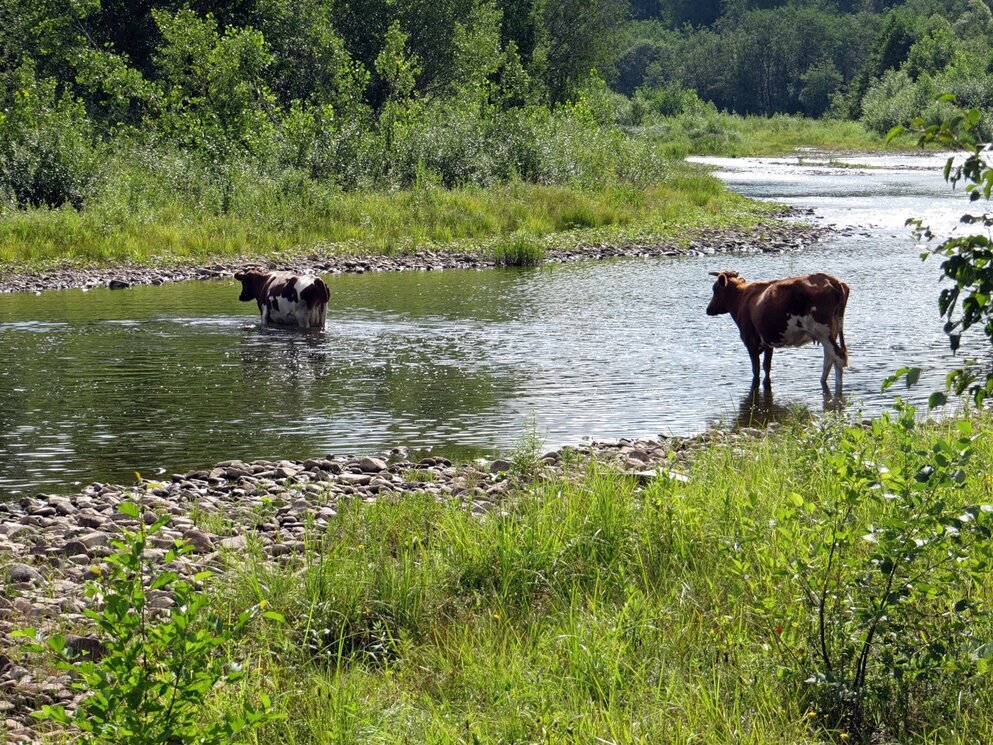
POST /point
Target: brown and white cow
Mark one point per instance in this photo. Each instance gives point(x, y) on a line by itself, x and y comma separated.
point(786, 313)
point(286, 299)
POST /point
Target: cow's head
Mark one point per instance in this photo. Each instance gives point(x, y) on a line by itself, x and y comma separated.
point(252, 281)
point(727, 281)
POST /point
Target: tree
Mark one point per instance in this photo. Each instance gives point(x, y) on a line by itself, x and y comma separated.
point(216, 99)
point(48, 154)
point(819, 83)
point(310, 62)
point(573, 38)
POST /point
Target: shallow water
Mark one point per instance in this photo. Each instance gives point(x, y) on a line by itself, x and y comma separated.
point(96, 385)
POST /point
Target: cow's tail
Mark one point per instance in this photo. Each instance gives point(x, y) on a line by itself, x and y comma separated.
point(841, 348)
point(326, 292)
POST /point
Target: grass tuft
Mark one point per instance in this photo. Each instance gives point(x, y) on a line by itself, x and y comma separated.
point(517, 251)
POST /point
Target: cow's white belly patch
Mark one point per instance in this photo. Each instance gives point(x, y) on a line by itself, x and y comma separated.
point(802, 330)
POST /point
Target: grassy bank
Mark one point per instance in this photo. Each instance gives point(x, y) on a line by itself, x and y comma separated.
point(265, 221)
point(149, 207)
point(734, 606)
point(712, 133)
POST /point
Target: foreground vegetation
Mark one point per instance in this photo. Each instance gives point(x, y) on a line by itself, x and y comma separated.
point(684, 611)
point(826, 582)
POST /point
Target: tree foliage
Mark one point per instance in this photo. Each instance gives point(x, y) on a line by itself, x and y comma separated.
point(381, 93)
point(807, 56)
point(967, 260)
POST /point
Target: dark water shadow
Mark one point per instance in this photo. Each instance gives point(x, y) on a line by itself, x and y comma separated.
point(759, 408)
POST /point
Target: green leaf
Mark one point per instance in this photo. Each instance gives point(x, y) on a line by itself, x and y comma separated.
point(130, 509)
point(912, 375)
point(280, 618)
point(163, 579)
point(56, 643)
point(891, 379)
point(937, 399)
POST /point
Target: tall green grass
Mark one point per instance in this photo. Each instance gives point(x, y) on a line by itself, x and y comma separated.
point(132, 224)
point(517, 251)
point(592, 610)
point(712, 133)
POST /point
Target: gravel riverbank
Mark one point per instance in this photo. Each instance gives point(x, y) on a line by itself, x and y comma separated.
point(772, 238)
point(50, 545)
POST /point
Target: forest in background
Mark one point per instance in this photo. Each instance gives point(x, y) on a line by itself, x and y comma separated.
point(151, 107)
point(875, 60)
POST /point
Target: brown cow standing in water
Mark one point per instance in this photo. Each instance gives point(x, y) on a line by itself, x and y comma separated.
point(286, 299)
point(786, 313)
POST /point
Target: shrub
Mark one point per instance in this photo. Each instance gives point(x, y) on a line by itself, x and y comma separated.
point(48, 154)
point(890, 102)
point(155, 670)
point(885, 567)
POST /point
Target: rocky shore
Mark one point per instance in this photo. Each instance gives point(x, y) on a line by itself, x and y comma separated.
point(771, 238)
point(50, 545)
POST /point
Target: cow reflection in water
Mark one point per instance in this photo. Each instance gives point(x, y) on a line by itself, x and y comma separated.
point(758, 408)
point(283, 361)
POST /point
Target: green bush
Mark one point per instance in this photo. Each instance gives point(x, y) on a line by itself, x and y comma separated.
point(885, 567)
point(48, 155)
point(890, 102)
point(154, 670)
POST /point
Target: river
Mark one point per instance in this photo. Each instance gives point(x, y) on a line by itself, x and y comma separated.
point(97, 385)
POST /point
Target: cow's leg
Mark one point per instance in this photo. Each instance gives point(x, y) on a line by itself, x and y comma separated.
point(839, 367)
point(842, 347)
point(767, 366)
point(753, 354)
point(317, 316)
point(832, 359)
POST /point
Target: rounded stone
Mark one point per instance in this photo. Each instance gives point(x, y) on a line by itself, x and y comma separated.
point(23, 573)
